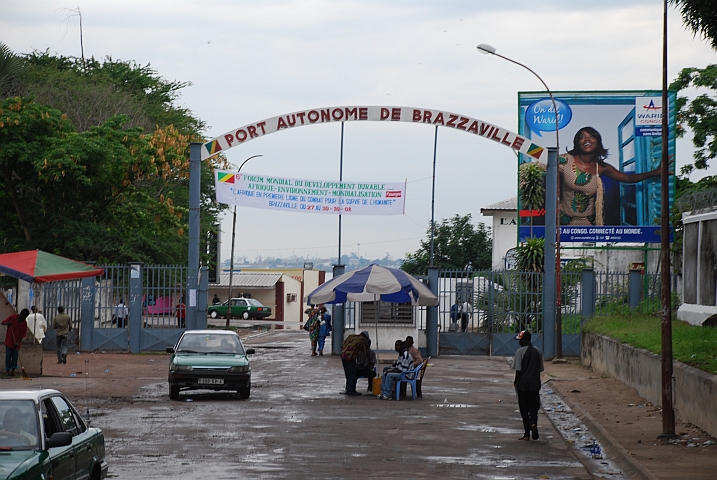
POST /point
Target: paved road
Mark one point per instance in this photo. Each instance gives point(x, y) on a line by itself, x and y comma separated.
point(297, 425)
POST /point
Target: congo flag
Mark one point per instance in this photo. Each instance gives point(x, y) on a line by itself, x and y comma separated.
point(225, 177)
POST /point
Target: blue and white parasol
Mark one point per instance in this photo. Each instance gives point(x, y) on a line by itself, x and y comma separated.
point(373, 283)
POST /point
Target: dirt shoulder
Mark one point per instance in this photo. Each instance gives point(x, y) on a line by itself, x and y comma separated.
point(633, 425)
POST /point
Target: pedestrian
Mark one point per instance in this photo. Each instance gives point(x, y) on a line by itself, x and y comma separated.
point(366, 366)
point(215, 300)
point(120, 314)
point(313, 325)
point(16, 331)
point(324, 329)
point(63, 325)
point(37, 324)
point(181, 313)
point(353, 346)
point(455, 313)
point(528, 363)
point(466, 310)
point(393, 374)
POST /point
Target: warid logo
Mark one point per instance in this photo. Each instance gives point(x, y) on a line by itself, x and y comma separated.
point(651, 106)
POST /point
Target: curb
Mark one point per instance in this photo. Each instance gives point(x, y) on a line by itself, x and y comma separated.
point(616, 452)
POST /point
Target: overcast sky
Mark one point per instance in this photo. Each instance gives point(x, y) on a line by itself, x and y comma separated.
point(251, 60)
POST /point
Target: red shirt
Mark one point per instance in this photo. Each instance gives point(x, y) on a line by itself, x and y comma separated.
point(16, 331)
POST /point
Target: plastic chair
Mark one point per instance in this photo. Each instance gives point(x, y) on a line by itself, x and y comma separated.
point(410, 377)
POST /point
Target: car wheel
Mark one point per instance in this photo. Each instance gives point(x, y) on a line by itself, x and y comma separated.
point(96, 473)
point(245, 315)
point(173, 391)
point(244, 392)
point(213, 314)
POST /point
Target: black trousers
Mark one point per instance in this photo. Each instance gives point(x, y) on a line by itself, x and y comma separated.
point(529, 404)
point(350, 370)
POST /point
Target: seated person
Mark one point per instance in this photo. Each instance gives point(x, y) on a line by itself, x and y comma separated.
point(225, 347)
point(366, 366)
point(415, 354)
point(14, 427)
point(393, 374)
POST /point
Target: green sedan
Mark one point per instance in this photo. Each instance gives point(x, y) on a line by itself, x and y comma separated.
point(209, 360)
point(43, 436)
point(245, 308)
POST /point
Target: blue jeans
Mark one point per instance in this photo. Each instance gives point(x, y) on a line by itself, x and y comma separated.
point(389, 379)
point(61, 347)
point(322, 341)
point(10, 358)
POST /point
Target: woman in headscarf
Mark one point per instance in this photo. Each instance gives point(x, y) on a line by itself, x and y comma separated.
point(312, 326)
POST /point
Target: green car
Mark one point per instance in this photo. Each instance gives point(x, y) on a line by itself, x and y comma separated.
point(43, 436)
point(245, 308)
point(209, 360)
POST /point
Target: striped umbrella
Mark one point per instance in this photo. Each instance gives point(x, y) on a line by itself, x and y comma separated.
point(373, 283)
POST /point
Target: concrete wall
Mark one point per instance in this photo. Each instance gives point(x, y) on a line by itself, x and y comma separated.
point(505, 236)
point(695, 392)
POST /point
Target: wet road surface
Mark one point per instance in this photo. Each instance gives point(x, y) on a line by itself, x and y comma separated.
point(297, 424)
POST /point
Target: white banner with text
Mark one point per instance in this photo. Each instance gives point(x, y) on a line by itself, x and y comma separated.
point(311, 196)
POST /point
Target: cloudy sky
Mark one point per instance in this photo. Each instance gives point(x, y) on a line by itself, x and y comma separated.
point(249, 60)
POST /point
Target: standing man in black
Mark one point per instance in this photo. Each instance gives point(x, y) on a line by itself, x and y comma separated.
point(528, 363)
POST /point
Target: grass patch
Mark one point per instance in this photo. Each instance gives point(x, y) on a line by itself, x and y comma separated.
point(692, 345)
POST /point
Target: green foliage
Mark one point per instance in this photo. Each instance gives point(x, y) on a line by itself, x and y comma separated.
point(531, 185)
point(10, 67)
point(530, 255)
point(700, 16)
point(695, 346)
point(96, 168)
point(458, 245)
point(700, 114)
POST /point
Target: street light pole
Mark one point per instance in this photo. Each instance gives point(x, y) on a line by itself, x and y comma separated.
point(231, 259)
point(488, 49)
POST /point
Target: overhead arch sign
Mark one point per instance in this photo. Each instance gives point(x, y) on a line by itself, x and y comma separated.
point(324, 115)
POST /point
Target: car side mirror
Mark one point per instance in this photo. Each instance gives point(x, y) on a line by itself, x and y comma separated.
point(170, 350)
point(250, 351)
point(59, 439)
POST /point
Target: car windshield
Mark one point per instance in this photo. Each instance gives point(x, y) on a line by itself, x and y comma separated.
point(223, 343)
point(19, 425)
point(254, 303)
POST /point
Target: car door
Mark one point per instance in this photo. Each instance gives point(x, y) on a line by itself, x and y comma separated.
point(81, 437)
point(62, 459)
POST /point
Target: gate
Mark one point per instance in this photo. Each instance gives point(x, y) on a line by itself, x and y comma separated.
point(481, 311)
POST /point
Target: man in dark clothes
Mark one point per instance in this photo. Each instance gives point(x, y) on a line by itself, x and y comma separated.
point(16, 331)
point(528, 363)
point(353, 346)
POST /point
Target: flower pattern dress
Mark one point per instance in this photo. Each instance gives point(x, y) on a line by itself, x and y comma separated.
point(581, 195)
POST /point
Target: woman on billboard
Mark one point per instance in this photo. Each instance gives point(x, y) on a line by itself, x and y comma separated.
point(581, 188)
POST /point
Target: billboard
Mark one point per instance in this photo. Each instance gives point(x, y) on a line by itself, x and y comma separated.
point(310, 196)
point(608, 164)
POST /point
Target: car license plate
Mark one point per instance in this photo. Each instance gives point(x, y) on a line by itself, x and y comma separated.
point(212, 381)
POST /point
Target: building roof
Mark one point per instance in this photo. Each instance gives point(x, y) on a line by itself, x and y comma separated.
point(510, 205)
point(249, 280)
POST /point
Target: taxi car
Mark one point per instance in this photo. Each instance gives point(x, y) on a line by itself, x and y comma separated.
point(43, 436)
point(209, 360)
point(245, 308)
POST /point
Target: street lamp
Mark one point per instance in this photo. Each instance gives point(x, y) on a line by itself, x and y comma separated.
point(231, 260)
point(489, 49)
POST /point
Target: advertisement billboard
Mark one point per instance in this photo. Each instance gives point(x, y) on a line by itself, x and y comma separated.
point(608, 165)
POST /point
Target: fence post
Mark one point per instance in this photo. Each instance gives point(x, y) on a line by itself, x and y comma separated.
point(135, 306)
point(202, 299)
point(339, 318)
point(587, 282)
point(634, 288)
point(432, 315)
point(87, 313)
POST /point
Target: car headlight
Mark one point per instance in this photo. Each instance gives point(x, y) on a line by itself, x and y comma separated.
point(180, 368)
point(244, 369)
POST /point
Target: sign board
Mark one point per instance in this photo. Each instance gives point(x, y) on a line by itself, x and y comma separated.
point(616, 198)
point(310, 196)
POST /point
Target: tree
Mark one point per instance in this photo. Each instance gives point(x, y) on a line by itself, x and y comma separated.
point(700, 114)
point(458, 244)
point(700, 16)
point(10, 68)
point(109, 181)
